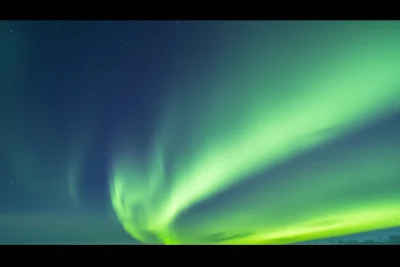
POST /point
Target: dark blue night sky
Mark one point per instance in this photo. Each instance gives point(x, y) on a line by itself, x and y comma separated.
point(227, 132)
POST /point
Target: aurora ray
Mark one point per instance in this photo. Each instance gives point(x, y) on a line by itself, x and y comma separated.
point(259, 109)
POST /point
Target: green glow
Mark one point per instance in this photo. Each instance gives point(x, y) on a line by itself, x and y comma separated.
point(260, 108)
point(61, 227)
point(35, 167)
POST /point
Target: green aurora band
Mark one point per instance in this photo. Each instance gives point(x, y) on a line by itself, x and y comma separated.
point(264, 103)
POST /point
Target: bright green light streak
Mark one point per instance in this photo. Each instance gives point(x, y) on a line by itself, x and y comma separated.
point(262, 108)
point(335, 195)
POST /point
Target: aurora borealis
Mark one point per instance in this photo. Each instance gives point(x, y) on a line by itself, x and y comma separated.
point(261, 132)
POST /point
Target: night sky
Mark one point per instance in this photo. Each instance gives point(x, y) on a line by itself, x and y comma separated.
point(198, 132)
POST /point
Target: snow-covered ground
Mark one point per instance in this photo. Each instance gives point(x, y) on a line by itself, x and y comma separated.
point(384, 237)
